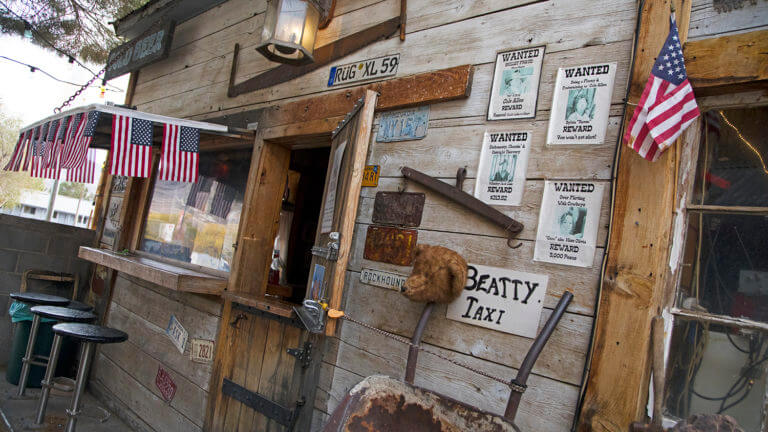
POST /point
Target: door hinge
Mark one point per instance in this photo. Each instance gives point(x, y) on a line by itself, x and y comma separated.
point(329, 252)
point(303, 355)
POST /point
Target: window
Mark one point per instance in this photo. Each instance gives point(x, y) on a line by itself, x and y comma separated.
point(197, 223)
point(719, 344)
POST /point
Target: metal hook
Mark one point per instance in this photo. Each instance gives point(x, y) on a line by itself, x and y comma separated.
point(239, 317)
point(461, 175)
point(403, 186)
point(509, 243)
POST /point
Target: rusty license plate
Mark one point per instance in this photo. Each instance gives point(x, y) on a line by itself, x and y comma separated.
point(398, 208)
point(390, 245)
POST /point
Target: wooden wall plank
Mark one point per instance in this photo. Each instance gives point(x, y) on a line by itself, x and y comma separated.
point(255, 350)
point(706, 22)
point(241, 351)
point(728, 63)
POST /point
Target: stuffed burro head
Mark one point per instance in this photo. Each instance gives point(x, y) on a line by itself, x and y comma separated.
point(439, 274)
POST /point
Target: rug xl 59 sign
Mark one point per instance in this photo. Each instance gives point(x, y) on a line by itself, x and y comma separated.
point(501, 299)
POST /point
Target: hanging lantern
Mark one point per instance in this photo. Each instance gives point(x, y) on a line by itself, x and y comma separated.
point(290, 27)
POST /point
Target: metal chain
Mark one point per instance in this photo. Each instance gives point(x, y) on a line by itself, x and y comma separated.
point(514, 386)
point(80, 90)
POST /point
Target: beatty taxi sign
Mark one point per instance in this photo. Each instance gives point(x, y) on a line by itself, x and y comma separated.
point(380, 67)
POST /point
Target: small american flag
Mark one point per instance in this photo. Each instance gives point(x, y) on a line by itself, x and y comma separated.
point(131, 146)
point(667, 105)
point(40, 167)
point(86, 172)
point(66, 144)
point(14, 163)
point(30, 149)
point(51, 149)
point(82, 140)
point(179, 159)
point(199, 192)
point(222, 200)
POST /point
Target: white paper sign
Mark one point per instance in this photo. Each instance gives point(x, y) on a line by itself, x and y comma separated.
point(515, 84)
point(501, 171)
point(568, 223)
point(202, 351)
point(333, 183)
point(581, 104)
point(382, 279)
point(501, 299)
point(177, 334)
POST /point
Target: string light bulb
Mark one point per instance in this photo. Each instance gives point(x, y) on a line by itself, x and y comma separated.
point(27, 30)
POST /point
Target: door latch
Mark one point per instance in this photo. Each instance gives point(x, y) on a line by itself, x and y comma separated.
point(303, 355)
point(329, 252)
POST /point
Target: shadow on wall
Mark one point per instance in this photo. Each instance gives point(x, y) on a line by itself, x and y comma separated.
point(32, 244)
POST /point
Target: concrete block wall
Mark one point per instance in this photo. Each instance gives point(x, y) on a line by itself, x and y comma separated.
point(32, 244)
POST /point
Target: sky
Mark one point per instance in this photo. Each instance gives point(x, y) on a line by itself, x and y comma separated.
point(31, 96)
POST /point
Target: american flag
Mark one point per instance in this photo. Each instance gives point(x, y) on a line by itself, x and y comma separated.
point(131, 146)
point(81, 140)
point(14, 163)
point(40, 167)
point(179, 159)
point(667, 105)
point(222, 200)
point(30, 156)
point(199, 192)
point(85, 173)
point(51, 149)
point(66, 144)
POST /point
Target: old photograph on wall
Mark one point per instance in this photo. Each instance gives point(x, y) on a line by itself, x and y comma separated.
point(568, 223)
point(581, 104)
point(502, 167)
point(515, 84)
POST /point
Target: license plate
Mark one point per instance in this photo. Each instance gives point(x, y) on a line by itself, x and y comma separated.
point(376, 68)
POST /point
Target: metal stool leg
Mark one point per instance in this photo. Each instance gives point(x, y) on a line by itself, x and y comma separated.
point(29, 355)
point(82, 374)
point(48, 380)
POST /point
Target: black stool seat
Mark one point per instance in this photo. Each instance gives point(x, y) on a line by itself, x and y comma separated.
point(91, 333)
point(63, 314)
point(39, 299)
point(74, 304)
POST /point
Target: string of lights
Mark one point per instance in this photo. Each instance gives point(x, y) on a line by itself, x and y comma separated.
point(745, 141)
point(33, 68)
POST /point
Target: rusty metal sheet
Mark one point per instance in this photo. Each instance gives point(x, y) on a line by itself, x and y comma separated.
point(398, 208)
point(390, 245)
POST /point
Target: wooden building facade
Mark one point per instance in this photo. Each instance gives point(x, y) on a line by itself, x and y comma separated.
point(594, 372)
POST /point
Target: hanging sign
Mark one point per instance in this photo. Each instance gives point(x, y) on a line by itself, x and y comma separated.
point(333, 182)
point(403, 125)
point(581, 104)
point(515, 84)
point(371, 175)
point(382, 279)
point(134, 55)
point(202, 351)
point(398, 208)
point(390, 245)
point(165, 384)
point(568, 223)
point(501, 171)
point(379, 67)
point(177, 334)
point(501, 299)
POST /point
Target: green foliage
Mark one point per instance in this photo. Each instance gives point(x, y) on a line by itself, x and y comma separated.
point(12, 183)
point(75, 190)
point(79, 27)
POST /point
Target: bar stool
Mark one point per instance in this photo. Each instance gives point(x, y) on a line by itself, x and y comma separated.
point(59, 314)
point(74, 304)
point(88, 334)
point(29, 359)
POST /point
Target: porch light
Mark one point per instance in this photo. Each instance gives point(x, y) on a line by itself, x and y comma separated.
point(290, 27)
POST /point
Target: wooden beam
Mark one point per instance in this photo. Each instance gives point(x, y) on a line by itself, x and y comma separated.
point(637, 260)
point(421, 89)
point(728, 64)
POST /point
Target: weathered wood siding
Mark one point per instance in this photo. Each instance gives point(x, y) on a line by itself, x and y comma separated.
point(192, 82)
point(124, 374)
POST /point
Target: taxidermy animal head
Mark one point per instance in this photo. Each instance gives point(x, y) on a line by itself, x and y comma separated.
point(439, 274)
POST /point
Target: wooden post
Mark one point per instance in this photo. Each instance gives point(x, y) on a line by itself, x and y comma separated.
point(637, 259)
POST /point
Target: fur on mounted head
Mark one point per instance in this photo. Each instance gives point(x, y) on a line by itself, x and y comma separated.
point(439, 274)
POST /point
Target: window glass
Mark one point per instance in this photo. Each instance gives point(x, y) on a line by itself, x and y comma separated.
point(733, 164)
point(197, 223)
point(717, 370)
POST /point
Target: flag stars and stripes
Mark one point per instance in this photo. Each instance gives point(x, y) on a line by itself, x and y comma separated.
point(131, 146)
point(180, 154)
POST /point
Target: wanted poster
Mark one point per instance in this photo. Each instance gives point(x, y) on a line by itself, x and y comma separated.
point(515, 84)
point(568, 223)
point(501, 299)
point(581, 104)
point(501, 171)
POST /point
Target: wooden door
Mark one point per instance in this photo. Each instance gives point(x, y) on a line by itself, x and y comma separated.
point(349, 149)
point(266, 365)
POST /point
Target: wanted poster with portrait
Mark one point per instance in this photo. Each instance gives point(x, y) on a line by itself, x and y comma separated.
point(501, 171)
point(515, 84)
point(581, 104)
point(568, 223)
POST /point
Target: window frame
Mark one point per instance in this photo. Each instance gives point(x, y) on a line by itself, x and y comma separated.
point(672, 313)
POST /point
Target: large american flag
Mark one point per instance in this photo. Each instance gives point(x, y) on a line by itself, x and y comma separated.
point(667, 105)
point(81, 140)
point(85, 173)
point(179, 158)
point(14, 163)
point(131, 146)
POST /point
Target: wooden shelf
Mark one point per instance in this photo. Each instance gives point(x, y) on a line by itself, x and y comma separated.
point(267, 304)
point(163, 274)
